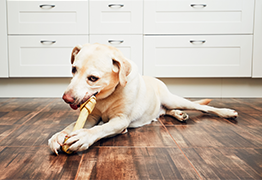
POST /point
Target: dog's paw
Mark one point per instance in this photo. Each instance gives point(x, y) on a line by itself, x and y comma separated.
point(56, 141)
point(79, 140)
point(227, 113)
point(182, 116)
point(179, 115)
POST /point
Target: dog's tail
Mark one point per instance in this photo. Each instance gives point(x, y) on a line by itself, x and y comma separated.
point(203, 101)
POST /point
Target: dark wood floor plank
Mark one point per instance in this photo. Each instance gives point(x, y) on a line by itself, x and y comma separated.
point(6, 130)
point(54, 117)
point(14, 117)
point(213, 163)
point(136, 163)
point(31, 135)
point(147, 136)
point(58, 104)
point(36, 163)
point(213, 136)
point(25, 104)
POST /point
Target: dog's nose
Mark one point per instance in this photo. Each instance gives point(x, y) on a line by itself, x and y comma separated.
point(68, 99)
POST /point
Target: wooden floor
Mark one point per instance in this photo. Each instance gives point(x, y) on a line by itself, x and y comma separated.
point(205, 147)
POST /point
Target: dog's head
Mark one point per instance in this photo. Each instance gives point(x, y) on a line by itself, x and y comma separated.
point(98, 69)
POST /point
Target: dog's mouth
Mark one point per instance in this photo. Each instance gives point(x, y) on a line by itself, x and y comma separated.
point(76, 106)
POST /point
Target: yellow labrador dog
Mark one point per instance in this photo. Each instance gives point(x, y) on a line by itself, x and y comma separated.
point(125, 99)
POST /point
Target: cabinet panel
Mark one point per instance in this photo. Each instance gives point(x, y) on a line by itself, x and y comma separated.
point(42, 56)
point(51, 17)
point(3, 42)
point(198, 56)
point(116, 17)
point(199, 17)
point(257, 53)
point(130, 45)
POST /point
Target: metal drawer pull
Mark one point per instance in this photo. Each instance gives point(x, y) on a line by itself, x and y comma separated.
point(116, 5)
point(198, 5)
point(47, 5)
point(48, 41)
point(197, 41)
point(115, 41)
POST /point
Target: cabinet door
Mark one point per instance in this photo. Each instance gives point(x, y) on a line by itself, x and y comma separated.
point(3, 42)
point(116, 17)
point(257, 53)
point(42, 56)
point(130, 45)
point(47, 17)
point(198, 17)
point(198, 56)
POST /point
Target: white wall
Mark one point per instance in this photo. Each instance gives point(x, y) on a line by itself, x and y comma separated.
point(220, 88)
point(187, 87)
point(33, 87)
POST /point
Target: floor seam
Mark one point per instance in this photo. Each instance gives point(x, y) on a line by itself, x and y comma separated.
point(79, 166)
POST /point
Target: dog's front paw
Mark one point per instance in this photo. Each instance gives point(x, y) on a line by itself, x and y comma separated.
point(79, 140)
point(56, 141)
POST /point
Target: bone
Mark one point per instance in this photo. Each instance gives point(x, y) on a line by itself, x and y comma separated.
point(85, 109)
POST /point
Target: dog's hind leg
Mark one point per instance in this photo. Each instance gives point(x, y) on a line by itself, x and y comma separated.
point(182, 116)
point(171, 102)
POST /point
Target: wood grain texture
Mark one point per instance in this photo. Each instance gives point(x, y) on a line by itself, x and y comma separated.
point(204, 147)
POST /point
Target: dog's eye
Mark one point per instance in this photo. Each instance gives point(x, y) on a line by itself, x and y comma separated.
point(73, 70)
point(93, 78)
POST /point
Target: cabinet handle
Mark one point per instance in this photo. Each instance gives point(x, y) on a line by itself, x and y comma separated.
point(115, 41)
point(116, 5)
point(47, 5)
point(197, 41)
point(48, 41)
point(198, 5)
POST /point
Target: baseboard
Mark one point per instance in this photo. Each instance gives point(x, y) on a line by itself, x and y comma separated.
point(186, 87)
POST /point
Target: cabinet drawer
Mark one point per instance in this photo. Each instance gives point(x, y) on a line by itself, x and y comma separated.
point(116, 17)
point(47, 17)
point(3, 42)
point(257, 53)
point(42, 56)
point(130, 45)
point(199, 17)
point(198, 56)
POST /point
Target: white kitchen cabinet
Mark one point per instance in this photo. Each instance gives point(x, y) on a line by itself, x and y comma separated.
point(116, 17)
point(47, 17)
point(130, 45)
point(198, 56)
point(198, 17)
point(3, 42)
point(257, 52)
point(42, 56)
point(165, 38)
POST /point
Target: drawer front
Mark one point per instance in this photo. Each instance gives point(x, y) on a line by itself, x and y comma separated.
point(257, 53)
point(198, 56)
point(3, 42)
point(47, 17)
point(116, 17)
point(199, 17)
point(42, 56)
point(130, 45)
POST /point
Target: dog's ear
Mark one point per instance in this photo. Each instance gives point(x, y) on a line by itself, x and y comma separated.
point(75, 52)
point(122, 66)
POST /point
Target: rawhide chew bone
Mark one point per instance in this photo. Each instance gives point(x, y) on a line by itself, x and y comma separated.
point(85, 109)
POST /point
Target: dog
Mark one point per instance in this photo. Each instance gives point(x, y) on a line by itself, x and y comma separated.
point(125, 99)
